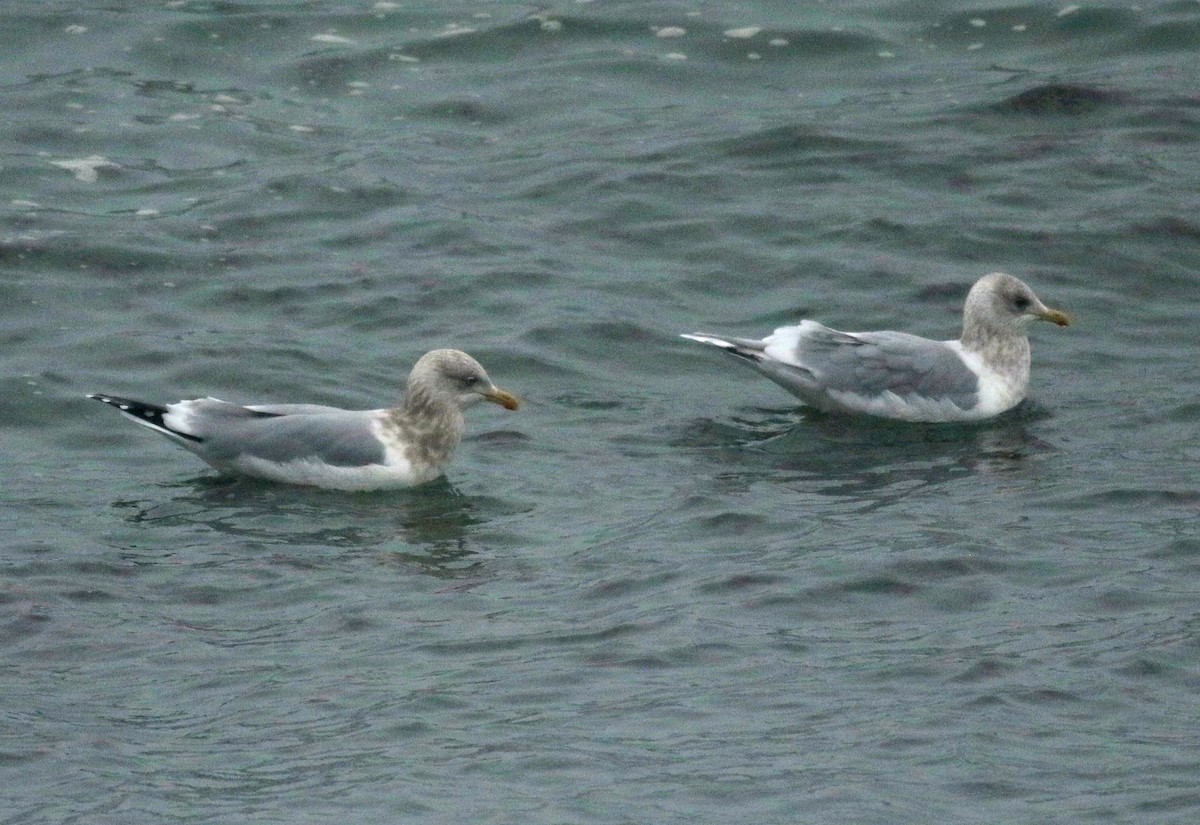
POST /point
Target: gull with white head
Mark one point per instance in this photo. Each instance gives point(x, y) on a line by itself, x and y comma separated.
point(328, 446)
point(900, 376)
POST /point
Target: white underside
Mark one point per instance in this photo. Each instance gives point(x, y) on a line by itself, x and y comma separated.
point(318, 474)
point(903, 408)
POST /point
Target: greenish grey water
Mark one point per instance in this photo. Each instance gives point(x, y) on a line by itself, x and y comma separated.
point(660, 592)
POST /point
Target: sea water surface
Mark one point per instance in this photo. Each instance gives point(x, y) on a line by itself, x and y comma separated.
point(662, 591)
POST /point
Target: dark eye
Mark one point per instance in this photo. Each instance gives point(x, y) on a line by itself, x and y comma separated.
point(1021, 303)
point(471, 380)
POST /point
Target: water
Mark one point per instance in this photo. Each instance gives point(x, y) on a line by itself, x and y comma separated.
point(661, 592)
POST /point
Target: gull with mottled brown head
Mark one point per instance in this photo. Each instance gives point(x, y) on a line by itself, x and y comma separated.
point(331, 447)
point(900, 376)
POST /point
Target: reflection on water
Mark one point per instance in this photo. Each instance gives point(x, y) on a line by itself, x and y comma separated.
point(432, 528)
point(875, 462)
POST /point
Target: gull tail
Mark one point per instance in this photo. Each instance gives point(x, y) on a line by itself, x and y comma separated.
point(148, 415)
point(741, 347)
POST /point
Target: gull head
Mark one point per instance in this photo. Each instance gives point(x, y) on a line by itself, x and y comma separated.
point(1000, 300)
point(450, 376)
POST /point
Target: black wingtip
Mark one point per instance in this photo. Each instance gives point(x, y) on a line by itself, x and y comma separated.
point(127, 405)
point(732, 347)
point(143, 413)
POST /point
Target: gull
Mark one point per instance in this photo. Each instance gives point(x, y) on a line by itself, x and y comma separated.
point(327, 446)
point(900, 376)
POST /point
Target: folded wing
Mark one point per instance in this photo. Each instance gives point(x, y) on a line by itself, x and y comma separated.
point(278, 433)
point(869, 371)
